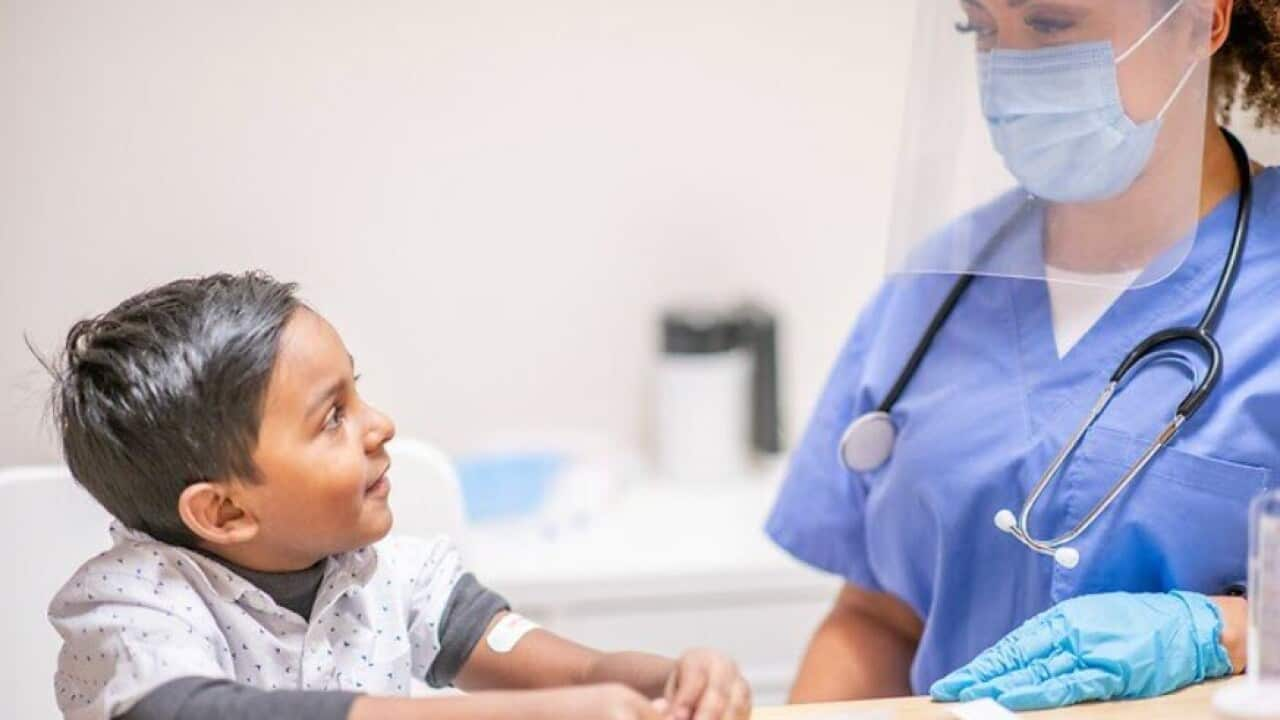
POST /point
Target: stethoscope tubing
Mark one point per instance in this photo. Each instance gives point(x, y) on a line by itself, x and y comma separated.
point(1201, 335)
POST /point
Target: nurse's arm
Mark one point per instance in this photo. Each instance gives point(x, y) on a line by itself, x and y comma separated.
point(862, 649)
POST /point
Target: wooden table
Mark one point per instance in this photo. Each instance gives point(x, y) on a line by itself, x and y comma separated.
point(1193, 703)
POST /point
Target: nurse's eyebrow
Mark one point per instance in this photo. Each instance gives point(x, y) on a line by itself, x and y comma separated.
point(1011, 3)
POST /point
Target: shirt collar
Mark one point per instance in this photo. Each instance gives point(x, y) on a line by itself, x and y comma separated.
point(343, 572)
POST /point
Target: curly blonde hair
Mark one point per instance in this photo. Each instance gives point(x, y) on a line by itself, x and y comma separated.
point(1246, 70)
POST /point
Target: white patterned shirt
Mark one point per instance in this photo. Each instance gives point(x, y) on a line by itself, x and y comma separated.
point(145, 612)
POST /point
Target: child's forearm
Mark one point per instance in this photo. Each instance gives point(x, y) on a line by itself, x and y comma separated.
point(646, 673)
point(593, 702)
point(543, 659)
point(481, 706)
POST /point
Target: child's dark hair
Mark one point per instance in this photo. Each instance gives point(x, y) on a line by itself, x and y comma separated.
point(167, 389)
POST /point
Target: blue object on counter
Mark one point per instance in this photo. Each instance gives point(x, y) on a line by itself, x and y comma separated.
point(508, 485)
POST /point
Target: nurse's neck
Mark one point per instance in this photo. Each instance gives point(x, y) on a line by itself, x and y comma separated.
point(1221, 179)
point(1126, 233)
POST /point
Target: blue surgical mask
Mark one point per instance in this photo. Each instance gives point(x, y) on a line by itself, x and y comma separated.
point(1056, 116)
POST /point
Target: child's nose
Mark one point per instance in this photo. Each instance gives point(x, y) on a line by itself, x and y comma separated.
point(381, 430)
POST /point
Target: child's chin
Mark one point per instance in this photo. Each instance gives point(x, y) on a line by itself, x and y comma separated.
point(374, 526)
point(381, 523)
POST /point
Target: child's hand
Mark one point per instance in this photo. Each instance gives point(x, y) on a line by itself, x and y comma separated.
point(594, 702)
point(706, 685)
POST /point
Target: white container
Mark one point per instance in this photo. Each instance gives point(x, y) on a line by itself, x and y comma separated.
point(1257, 695)
point(703, 416)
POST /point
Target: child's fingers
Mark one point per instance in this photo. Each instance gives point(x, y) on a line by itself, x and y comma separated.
point(645, 710)
point(690, 685)
point(669, 697)
point(739, 701)
point(715, 699)
point(637, 707)
point(712, 705)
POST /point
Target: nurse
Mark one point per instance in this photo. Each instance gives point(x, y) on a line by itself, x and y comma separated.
point(1065, 159)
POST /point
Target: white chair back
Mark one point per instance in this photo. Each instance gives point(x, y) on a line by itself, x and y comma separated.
point(426, 496)
point(426, 500)
point(49, 526)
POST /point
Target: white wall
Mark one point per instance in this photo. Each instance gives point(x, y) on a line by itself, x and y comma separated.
point(490, 198)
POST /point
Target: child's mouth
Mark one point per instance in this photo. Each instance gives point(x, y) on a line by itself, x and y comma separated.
point(379, 487)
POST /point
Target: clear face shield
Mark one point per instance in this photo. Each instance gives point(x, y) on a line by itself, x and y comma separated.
point(1057, 139)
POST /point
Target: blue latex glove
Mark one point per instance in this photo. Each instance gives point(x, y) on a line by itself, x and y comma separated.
point(1097, 647)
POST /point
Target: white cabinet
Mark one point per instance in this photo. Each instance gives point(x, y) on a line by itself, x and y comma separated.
point(664, 569)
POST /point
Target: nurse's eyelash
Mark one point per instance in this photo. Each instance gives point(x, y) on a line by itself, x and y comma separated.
point(1049, 26)
point(969, 27)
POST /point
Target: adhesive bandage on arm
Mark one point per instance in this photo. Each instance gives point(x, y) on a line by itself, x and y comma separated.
point(508, 632)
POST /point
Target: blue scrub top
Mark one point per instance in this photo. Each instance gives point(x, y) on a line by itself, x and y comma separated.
point(990, 407)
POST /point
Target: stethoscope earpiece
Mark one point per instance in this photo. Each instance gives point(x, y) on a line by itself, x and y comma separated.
point(1006, 521)
point(1067, 557)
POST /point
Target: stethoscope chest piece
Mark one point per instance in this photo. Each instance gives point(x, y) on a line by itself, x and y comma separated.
point(868, 442)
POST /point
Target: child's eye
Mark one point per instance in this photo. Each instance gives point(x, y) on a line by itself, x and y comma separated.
point(335, 418)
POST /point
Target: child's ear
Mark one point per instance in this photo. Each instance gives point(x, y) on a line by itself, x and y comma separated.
point(209, 510)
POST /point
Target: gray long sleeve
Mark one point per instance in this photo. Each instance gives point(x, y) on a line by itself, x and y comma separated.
point(198, 698)
point(467, 615)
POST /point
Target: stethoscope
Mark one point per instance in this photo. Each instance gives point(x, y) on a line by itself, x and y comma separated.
point(868, 441)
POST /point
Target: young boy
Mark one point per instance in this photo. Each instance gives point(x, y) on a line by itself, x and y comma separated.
point(218, 420)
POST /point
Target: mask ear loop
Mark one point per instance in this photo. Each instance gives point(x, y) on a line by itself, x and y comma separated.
point(1147, 35)
point(1186, 78)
